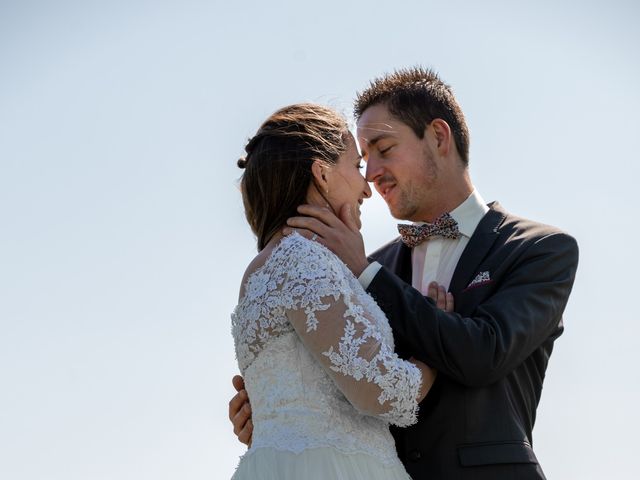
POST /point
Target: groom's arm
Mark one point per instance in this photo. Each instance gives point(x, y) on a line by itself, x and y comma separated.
point(240, 412)
point(524, 312)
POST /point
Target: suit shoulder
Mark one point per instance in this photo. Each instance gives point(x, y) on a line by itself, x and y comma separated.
point(515, 226)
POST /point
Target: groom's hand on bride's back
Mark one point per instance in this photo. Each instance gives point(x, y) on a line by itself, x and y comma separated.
point(341, 234)
point(240, 412)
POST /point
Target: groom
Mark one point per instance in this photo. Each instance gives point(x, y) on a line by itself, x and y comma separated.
point(510, 279)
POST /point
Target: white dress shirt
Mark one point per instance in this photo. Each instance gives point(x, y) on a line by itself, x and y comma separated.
point(436, 258)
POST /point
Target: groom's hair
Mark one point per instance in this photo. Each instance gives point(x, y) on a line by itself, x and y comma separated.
point(278, 163)
point(416, 96)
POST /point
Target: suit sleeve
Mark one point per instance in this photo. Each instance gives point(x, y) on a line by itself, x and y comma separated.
point(480, 349)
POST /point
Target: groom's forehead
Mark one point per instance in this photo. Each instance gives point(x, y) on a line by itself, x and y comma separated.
point(369, 134)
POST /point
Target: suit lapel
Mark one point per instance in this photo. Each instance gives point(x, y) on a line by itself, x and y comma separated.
point(403, 267)
point(476, 250)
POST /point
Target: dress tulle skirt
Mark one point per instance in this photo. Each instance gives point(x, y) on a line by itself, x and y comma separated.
point(322, 463)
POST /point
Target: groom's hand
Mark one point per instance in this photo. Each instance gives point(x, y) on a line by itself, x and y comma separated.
point(240, 412)
point(340, 235)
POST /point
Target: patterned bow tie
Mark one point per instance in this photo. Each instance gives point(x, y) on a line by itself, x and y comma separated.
point(444, 226)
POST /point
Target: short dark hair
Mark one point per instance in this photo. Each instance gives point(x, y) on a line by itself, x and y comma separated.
point(278, 163)
point(416, 96)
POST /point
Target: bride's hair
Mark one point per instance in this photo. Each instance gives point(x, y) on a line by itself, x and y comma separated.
point(278, 163)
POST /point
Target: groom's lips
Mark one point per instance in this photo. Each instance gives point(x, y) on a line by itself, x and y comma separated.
point(385, 190)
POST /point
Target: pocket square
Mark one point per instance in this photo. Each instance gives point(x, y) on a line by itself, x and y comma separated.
point(480, 279)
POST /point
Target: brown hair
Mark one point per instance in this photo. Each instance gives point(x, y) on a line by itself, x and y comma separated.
point(416, 96)
point(278, 163)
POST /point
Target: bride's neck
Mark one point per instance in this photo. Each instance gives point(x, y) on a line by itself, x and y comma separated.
point(273, 241)
point(313, 198)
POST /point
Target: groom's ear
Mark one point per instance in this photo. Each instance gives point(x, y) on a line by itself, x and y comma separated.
point(442, 136)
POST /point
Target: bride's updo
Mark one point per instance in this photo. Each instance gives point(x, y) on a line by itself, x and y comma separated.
point(278, 163)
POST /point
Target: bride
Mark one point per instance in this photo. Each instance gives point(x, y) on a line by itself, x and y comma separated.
point(316, 352)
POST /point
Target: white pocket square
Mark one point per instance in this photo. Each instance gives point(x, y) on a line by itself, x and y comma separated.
point(482, 277)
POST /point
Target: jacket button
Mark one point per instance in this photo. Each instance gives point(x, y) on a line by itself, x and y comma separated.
point(415, 455)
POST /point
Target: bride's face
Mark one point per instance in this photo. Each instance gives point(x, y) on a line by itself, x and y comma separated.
point(345, 183)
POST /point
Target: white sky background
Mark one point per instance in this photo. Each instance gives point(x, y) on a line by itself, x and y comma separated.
point(122, 236)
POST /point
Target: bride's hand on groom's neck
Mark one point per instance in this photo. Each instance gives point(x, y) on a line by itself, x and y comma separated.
point(340, 234)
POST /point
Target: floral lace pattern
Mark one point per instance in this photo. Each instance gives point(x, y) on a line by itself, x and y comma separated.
point(317, 355)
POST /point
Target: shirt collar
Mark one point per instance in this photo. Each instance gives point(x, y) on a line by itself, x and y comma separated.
point(469, 213)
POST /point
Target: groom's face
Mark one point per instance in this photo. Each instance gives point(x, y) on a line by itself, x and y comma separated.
point(400, 165)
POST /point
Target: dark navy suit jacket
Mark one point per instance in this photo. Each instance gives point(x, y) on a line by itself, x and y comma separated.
point(491, 354)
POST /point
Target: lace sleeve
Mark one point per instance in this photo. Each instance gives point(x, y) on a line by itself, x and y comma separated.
point(342, 335)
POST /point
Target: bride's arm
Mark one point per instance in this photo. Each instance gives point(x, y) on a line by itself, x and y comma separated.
point(344, 338)
point(367, 371)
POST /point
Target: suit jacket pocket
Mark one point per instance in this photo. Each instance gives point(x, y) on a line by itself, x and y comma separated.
point(475, 454)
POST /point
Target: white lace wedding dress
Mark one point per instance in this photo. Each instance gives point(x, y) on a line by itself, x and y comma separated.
point(316, 353)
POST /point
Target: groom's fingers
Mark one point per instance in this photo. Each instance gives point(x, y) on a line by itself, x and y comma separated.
point(308, 223)
point(304, 232)
point(239, 399)
point(346, 215)
point(245, 435)
point(236, 403)
point(238, 382)
point(323, 214)
point(240, 417)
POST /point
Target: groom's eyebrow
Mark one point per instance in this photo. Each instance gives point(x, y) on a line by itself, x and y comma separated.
point(371, 142)
point(381, 130)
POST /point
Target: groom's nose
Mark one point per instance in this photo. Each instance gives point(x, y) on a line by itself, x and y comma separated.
point(374, 169)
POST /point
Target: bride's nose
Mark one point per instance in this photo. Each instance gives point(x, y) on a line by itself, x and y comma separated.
point(367, 190)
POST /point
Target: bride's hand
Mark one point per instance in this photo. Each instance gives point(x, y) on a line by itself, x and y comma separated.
point(443, 299)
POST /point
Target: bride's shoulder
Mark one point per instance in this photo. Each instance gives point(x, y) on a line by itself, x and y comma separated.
point(256, 265)
point(288, 255)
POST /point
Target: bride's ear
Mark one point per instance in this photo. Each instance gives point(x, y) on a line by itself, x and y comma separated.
point(320, 173)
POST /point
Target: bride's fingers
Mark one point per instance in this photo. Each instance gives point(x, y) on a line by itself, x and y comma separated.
point(438, 294)
point(432, 292)
point(442, 298)
point(450, 306)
